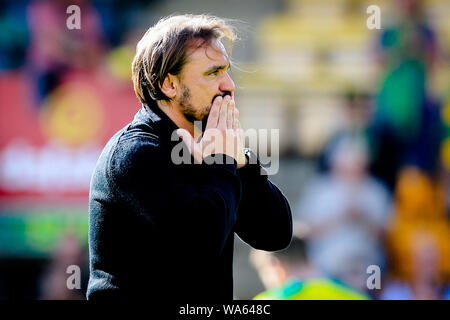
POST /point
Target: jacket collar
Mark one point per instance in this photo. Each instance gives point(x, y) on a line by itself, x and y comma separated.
point(160, 124)
point(157, 119)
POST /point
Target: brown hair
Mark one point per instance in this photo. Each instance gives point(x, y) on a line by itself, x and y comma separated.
point(162, 50)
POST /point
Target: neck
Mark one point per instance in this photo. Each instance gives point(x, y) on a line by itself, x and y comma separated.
point(304, 272)
point(174, 113)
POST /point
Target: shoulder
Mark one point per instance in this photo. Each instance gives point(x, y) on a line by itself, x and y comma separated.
point(134, 151)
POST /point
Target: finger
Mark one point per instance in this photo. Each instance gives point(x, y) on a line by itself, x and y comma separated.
point(213, 117)
point(235, 118)
point(222, 123)
point(239, 130)
point(236, 112)
point(230, 115)
point(187, 138)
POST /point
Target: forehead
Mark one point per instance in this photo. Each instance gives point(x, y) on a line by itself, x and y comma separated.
point(212, 53)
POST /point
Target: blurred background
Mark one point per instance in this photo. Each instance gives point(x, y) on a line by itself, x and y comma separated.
point(364, 120)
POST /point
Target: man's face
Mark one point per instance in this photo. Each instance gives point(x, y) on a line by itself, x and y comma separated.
point(203, 78)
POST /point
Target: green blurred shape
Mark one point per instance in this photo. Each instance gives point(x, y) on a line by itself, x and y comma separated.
point(38, 232)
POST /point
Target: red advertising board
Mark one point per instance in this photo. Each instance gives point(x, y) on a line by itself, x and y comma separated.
point(49, 149)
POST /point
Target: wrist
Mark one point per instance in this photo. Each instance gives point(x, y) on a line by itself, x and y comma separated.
point(244, 159)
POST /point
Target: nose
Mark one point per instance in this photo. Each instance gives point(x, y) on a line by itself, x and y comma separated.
point(227, 84)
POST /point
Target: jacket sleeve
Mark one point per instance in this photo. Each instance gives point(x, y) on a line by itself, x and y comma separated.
point(190, 206)
point(264, 219)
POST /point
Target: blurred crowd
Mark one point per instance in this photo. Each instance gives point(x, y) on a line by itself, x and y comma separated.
point(34, 38)
point(39, 53)
point(380, 193)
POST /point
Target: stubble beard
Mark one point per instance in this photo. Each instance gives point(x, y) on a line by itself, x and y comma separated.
point(192, 114)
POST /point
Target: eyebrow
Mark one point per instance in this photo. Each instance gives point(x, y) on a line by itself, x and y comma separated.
point(216, 68)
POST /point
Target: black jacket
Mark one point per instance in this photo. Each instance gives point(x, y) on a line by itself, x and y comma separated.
point(166, 231)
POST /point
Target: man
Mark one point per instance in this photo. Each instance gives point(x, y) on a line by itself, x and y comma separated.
point(163, 229)
point(288, 275)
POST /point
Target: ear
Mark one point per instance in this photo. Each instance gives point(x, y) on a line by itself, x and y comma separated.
point(170, 86)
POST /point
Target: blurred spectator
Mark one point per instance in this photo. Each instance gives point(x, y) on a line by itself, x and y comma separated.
point(347, 212)
point(119, 17)
point(412, 38)
point(425, 283)
point(13, 34)
point(407, 126)
point(54, 281)
point(357, 115)
point(54, 49)
point(418, 238)
point(287, 275)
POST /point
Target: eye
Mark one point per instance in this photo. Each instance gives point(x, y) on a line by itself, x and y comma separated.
point(215, 72)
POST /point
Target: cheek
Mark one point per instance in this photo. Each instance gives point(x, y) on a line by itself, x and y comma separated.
point(203, 92)
point(207, 95)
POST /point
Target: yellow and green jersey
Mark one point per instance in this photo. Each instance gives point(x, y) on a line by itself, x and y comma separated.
point(312, 289)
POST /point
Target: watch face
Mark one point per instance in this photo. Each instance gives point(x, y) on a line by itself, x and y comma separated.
point(250, 156)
